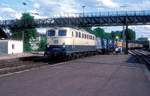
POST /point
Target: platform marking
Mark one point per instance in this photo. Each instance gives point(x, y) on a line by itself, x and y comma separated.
point(4, 75)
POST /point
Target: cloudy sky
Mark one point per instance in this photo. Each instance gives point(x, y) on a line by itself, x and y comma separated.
point(12, 9)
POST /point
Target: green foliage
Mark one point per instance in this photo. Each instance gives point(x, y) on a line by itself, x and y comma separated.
point(115, 34)
point(16, 34)
point(42, 44)
point(28, 35)
point(99, 32)
point(131, 34)
point(107, 35)
point(112, 35)
point(27, 17)
point(27, 46)
point(24, 33)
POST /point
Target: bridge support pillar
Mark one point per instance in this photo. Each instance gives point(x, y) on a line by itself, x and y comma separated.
point(126, 39)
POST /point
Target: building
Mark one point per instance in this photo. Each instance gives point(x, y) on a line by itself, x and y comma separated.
point(11, 47)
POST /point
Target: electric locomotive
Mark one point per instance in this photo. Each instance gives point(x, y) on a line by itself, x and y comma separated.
point(64, 41)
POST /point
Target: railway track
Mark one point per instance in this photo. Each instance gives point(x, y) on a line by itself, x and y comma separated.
point(142, 56)
point(24, 63)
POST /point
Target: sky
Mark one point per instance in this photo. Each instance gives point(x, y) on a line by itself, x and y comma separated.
point(12, 9)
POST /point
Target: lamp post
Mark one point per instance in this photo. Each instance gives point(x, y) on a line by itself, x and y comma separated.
point(24, 4)
point(83, 7)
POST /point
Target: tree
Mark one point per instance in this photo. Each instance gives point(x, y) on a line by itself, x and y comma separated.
point(24, 33)
point(42, 44)
point(16, 34)
point(99, 32)
point(28, 35)
point(107, 35)
point(115, 34)
point(131, 34)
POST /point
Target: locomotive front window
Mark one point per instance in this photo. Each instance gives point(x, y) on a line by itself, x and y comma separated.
point(62, 33)
point(51, 32)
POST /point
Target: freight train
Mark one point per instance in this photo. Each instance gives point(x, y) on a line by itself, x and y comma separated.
point(135, 45)
point(66, 41)
point(131, 44)
point(73, 42)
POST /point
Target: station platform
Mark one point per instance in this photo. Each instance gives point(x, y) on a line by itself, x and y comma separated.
point(101, 75)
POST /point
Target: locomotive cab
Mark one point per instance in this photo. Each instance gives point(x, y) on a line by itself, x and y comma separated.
point(57, 40)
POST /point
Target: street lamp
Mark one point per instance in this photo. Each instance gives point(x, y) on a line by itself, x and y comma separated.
point(83, 7)
point(24, 4)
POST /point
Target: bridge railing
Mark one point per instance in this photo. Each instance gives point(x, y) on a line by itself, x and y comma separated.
point(108, 13)
point(48, 21)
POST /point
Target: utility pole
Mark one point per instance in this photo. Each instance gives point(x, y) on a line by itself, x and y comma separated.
point(126, 39)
